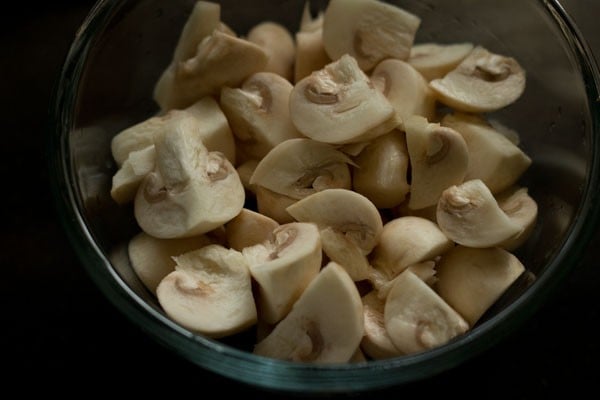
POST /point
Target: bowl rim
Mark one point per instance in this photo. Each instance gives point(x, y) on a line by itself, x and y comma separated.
point(286, 376)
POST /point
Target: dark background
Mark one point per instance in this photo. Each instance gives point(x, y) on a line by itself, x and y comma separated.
point(56, 326)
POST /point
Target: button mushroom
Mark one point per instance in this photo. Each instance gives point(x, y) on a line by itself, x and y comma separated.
point(209, 292)
point(325, 325)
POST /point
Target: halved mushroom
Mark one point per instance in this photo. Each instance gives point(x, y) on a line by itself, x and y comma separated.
point(369, 30)
point(405, 88)
point(339, 104)
point(325, 325)
point(283, 266)
point(191, 191)
point(493, 158)
point(299, 167)
point(202, 21)
point(376, 342)
point(435, 60)
point(417, 318)
point(212, 126)
point(381, 170)
point(522, 209)
point(278, 43)
point(349, 223)
point(482, 82)
point(406, 241)
point(249, 228)
point(152, 258)
point(126, 181)
point(209, 292)
point(259, 113)
point(470, 215)
point(471, 279)
point(438, 158)
point(220, 60)
point(310, 52)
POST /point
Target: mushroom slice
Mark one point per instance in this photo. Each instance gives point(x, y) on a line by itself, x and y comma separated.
point(482, 82)
point(204, 18)
point(152, 258)
point(405, 88)
point(522, 209)
point(438, 157)
point(299, 167)
point(127, 179)
point(349, 223)
point(339, 104)
point(471, 279)
point(273, 205)
point(212, 126)
point(191, 191)
point(406, 241)
point(435, 60)
point(325, 325)
point(470, 215)
point(209, 292)
point(258, 113)
point(417, 318)
point(220, 60)
point(310, 51)
point(381, 170)
point(283, 266)
point(369, 30)
point(249, 228)
point(493, 158)
point(376, 342)
point(277, 41)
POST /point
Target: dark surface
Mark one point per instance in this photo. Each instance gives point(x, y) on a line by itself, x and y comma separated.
point(57, 325)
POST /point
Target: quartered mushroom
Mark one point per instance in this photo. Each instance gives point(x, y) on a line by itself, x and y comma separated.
point(325, 325)
point(273, 205)
point(310, 51)
point(299, 167)
point(338, 104)
point(349, 223)
point(471, 279)
point(424, 270)
point(405, 88)
point(210, 121)
point(210, 292)
point(406, 241)
point(152, 258)
point(522, 209)
point(376, 342)
point(417, 318)
point(482, 82)
point(439, 158)
point(249, 228)
point(278, 43)
point(435, 60)
point(283, 266)
point(469, 215)
point(191, 191)
point(368, 30)
point(493, 158)
point(127, 179)
point(220, 60)
point(202, 21)
point(258, 113)
point(381, 170)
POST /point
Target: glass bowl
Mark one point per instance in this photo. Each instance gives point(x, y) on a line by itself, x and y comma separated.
point(106, 85)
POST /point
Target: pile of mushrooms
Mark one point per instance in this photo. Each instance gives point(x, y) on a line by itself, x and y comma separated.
point(339, 190)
